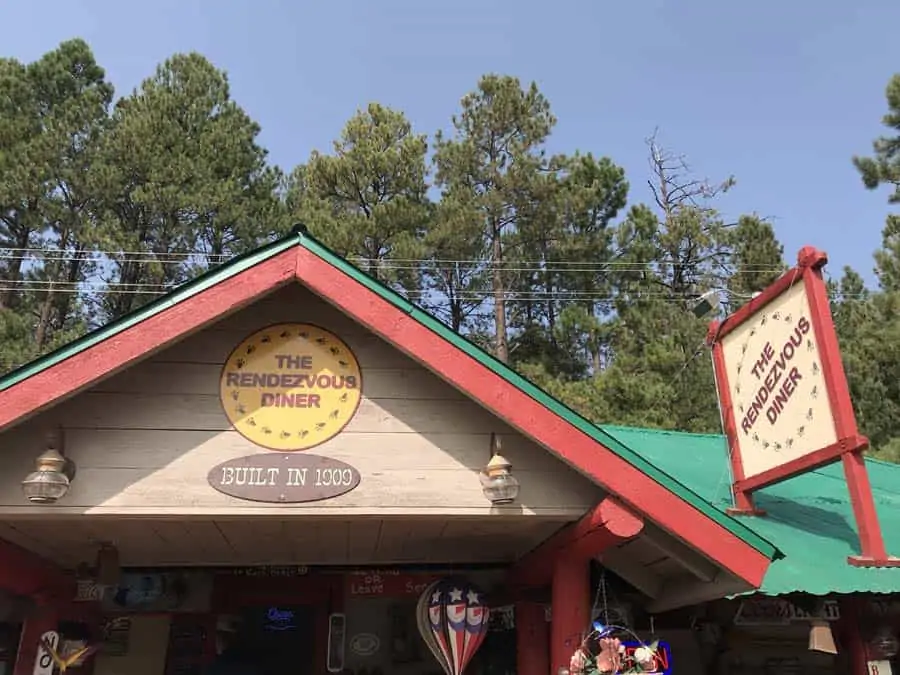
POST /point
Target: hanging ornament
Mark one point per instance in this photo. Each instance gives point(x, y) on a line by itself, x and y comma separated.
point(453, 621)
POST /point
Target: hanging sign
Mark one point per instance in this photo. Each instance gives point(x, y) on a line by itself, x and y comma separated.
point(283, 478)
point(290, 387)
point(775, 377)
point(781, 384)
point(777, 612)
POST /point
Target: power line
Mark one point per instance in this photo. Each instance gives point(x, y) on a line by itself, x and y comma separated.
point(178, 258)
point(114, 288)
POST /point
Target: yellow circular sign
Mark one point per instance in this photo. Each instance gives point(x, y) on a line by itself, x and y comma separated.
point(290, 386)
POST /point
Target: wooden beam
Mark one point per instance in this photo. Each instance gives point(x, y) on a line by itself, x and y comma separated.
point(607, 524)
point(643, 579)
point(27, 574)
point(679, 594)
point(684, 555)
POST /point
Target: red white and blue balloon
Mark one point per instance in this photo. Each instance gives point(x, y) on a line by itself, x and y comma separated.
point(453, 620)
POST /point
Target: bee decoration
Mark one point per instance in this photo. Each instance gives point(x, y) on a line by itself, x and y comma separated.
point(240, 363)
point(303, 433)
point(814, 393)
point(285, 334)
point(285, 434)
point(809, 414)
point(251, 421)
point(240, 409)
point(321, 340)
point(788, 318)
point(334, 414)
point(266, 430)
point(343, 364)
point(801, 431)
point(72, 660)
point(320, 426)
point(776, 315)
point(335, 351)
point(251, 349)
point(344, 397)
point(764, 320)
point(235, 395)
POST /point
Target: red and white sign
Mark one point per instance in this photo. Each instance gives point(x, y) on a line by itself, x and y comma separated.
point(783, 392)
point(784, 398)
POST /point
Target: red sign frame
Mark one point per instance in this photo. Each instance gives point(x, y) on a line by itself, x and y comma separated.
point(850, 444)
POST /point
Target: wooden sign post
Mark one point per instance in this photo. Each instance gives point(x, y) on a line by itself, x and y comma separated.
point(784, 399)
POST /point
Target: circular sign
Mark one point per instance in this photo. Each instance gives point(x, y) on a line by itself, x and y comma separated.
point(290, 387)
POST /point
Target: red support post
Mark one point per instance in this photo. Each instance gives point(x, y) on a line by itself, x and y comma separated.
point(44, 619)
point(606, 525)
point(570, 609)
point(532, 639)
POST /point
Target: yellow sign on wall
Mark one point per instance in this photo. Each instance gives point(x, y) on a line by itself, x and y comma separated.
point(290, 387)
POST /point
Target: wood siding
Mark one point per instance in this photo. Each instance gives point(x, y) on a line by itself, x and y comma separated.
point(144, 439)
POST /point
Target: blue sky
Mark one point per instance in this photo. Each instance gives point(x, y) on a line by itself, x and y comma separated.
point(779, 94)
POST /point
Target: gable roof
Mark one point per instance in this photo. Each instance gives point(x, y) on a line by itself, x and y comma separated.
point(809, 517)
point(584, 446)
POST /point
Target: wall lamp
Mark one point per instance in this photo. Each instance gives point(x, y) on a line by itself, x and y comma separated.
point(497, 481)
point(53, 473)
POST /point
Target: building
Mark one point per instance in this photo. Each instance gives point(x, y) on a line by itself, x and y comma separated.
point(199, 484)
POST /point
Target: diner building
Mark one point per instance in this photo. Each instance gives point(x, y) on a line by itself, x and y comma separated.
point(288, 445)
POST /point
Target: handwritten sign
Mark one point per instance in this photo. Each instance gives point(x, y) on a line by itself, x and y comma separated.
point(265, 571)
point(290, 387)
point(283, 478)
point(778, 394)
point(386, 583)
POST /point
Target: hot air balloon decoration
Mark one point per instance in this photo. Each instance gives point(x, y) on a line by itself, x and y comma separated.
point(453, 621)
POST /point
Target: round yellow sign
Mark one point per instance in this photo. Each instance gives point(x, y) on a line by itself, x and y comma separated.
point(290, 386)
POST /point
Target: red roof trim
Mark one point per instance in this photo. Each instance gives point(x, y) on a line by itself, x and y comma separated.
point(70, 375)
point(534, 420)
point(86, 367)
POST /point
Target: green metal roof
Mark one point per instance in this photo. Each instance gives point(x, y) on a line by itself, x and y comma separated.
point(299, 237)
point(809, 518)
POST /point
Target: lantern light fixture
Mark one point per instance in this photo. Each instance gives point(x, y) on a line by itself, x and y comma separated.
point(497, 481)
point(53, 475)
